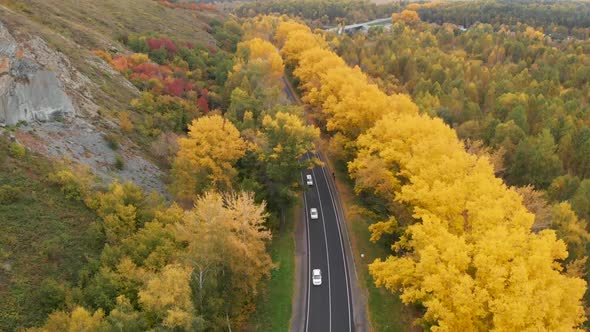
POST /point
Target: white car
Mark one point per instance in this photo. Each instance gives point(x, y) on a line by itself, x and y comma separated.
point(316, 277)
point(313, 212)
point(309, 180)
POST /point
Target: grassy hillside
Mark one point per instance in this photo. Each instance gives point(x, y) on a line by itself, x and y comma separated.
point(45, 240)
point(76, 27)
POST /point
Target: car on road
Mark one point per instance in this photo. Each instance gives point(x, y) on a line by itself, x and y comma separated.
point(309, 180)
point(316, 277)
point(313, 212)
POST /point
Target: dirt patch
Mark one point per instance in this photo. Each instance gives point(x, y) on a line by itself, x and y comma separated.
point(82, 142)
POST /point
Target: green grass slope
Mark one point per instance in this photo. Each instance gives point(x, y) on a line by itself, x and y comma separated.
point(45, 240)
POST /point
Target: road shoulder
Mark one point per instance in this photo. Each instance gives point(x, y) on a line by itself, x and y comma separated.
point(300, 283)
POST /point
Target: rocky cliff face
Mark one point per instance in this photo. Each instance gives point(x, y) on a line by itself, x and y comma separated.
point(39, 85)
point(28, 91)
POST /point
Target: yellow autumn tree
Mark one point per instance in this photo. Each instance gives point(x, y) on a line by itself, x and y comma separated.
point(77, 320)
point(472, 260)
point(225, 236)
point(261, 26)
point(167, 297)
point(285, 28)
point(314, 64)
point(125, 122)
point(298, 41)
point(206, 157)
point(350, 104)
point(571, 229)
point(407, 16)
point(263, 51)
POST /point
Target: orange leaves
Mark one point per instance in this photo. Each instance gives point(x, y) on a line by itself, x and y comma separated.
point(406, 16)
point(120, 63)
point(106, 56)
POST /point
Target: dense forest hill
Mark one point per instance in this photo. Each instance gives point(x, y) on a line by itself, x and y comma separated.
point(62, 38)
point(321, 13)
point(521, 94)
point(50, 240)
point(554, 15)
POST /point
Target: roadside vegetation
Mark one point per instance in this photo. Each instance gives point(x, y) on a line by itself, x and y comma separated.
point(397, 317)
point(274, 304)
point(442, 210)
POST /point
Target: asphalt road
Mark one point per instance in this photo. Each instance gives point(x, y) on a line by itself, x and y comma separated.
point(329, 306)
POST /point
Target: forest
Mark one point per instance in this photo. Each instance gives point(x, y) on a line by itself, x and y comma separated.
point(555, 16)
point(166, 265)
point(510, 90)
point(216, 119)
point(475, 81)
point(319, 14)
point(462, 131)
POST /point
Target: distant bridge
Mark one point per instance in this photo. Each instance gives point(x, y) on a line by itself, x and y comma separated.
point(361, 27)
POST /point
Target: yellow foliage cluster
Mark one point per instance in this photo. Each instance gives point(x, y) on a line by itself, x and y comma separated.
point(125, 122)
point(138, 58)
point(106, 56)
point(470, 258)
point(206, 157)
point(259, 50)
point(349, 103)
point(78, 320)
point(407, 16)
point(261, 26)
point(167, 294)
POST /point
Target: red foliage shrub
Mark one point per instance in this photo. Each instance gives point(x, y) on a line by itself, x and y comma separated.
point(177, 87)
point(206, 6)
point(152, 70)
point(203, 103)
point(167, 44)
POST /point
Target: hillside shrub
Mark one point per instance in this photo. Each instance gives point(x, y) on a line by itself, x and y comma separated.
point(9, 194)
point(17, 150)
